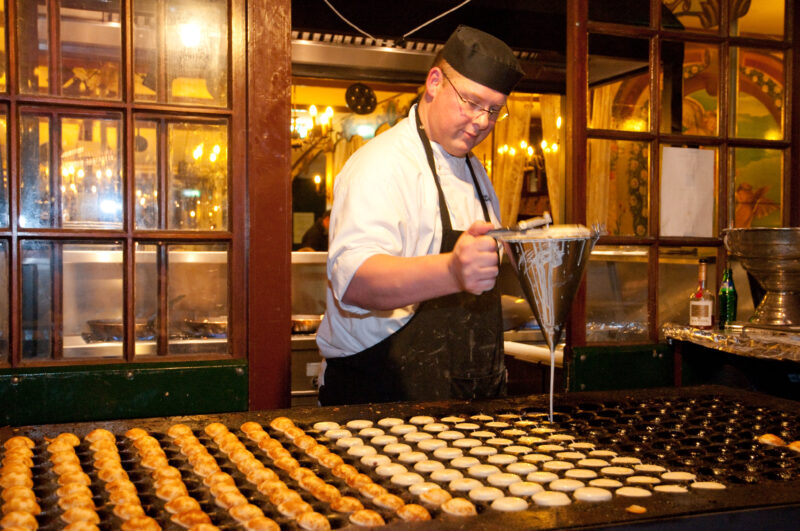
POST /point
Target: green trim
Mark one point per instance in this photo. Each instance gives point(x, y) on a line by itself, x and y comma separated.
point(620, 367)
point(46, 395)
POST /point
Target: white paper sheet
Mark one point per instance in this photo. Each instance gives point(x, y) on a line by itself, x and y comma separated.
point(687, 192)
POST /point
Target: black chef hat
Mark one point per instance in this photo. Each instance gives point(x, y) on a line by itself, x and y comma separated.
point(482, 58)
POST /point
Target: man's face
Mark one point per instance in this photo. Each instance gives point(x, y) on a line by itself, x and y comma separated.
point(458, 117)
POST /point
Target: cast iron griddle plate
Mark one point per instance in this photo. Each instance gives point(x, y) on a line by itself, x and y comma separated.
point(708, 431)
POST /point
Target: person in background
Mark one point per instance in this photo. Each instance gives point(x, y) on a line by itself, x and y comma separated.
point(316, 237)
point(413, 310)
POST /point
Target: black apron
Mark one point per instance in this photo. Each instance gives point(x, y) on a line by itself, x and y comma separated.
point(451, 348)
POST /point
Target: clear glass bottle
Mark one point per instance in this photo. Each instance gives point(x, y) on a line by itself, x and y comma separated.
point(701, 301)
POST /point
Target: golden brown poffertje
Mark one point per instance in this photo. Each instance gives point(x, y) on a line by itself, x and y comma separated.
point(245, 512)
point(141, 523)
point(346, 504)
point(100, 433)
point(80, 514)
point(17, 491)
point(181, 504)
point(313, 521)
point(82, 526)
point(459, 507)
point(18, 441)
point(229, 499)
point(190, 518)
point(22, 504)
point(281, 424)
point(177, 430)
point(412, 512)
point(250, 427)
point(367, 518)
point(261, 523)
point(18, 519)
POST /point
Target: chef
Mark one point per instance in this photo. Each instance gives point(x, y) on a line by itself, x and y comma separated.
point(413, 310)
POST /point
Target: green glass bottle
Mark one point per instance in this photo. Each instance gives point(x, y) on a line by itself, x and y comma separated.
point(727, 299)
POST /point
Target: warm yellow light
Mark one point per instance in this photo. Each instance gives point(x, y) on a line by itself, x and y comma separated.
point(212, 157)
point(190, 34)
point(530, 151)
point(198, 151)
point(138, 193)
point(73, 188)
point(544, 144)
point(192, 214)
point(558, 123)
point(216, 208)
point(523, 145)
point(98, 174)
point(216, 149)
point(81, 173)
point(142, 201)
point(512, 151)
point(554, 147)
point(108, 173)
point(63, 189)
point(94, 189)
point(65, 172)
point(313, 111)
point(317, 179)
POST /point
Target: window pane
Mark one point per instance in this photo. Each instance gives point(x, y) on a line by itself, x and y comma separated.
point(37, 299)
point(4, 310)
point(91, 180)
point(198, 178)
point(3, 51)
point(635, 12)
point(145, 144)
point(619, 83)
point(197, 52)
point(684, 213)
point(33, 50)
point(618, 186)
point(91, 49)
point(760, 96)
point(764, 18)
point(35, 172)
point(145, 51)
point(758, 187)
point(692, 15)
point(691, 88)
point(677, 279)
point(146, 297)
point(92, 300)
point(198, 288)
point(4, 217)
point(616, 294)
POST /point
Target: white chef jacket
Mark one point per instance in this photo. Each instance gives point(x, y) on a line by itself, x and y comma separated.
point(386, 202)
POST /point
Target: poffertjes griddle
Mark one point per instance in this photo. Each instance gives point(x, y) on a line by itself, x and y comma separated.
point(671, 458)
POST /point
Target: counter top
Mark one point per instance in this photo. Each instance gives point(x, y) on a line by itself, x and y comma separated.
point(768, 343)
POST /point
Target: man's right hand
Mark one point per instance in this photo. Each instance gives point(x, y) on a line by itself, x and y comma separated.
point(474, 260)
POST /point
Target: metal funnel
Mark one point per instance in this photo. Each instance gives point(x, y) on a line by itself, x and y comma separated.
point(550, 263)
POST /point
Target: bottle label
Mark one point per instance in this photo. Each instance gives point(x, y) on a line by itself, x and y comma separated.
point(700, 313)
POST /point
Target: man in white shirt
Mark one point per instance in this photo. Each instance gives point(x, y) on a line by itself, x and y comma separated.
point(413, 312)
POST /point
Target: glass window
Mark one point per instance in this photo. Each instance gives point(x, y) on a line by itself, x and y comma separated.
point(37, 299)
point(4, 180)
point(3, 51)
point(197, 281)
point(4, 303)
point(35, 171)
point(91, 49)
point(198, 176)
point(760, 98)
point(692, 15)
point(145, 145)
point(145, 51)
point(690, 82)
point(618, 186)
point(93, 324)
point(616, 294)
point(33, 50)
point(146, 297)
point(91, 177)
point(677, 279)
point(757, 176)
point(619, 83)
point(762, 18)
point(635, 13)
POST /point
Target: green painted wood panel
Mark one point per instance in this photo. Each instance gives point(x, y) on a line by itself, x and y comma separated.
point(102, 392)
point(622, 367)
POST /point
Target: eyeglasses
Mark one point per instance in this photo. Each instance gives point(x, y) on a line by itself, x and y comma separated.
point(475, 109)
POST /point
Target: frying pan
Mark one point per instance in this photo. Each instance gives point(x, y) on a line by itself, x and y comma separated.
point(305, 323)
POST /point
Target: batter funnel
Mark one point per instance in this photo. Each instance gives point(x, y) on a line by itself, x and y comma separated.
point(550, 263)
